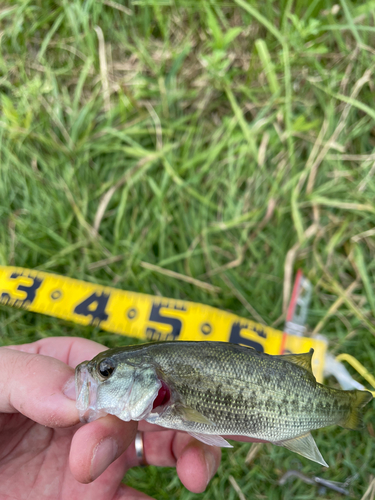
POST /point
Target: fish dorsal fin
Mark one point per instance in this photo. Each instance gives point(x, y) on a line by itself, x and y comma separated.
point(190, 414)
point(303, 360)
point(305, 446)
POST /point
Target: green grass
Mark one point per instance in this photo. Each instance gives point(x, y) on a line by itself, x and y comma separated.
point(203, 115)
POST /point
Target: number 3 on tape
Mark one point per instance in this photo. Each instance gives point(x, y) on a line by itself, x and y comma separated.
point(21, 290)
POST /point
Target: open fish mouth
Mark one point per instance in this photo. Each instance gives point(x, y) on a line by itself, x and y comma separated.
point(86, 394)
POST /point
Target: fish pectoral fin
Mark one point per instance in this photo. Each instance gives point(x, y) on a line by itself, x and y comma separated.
point(211, 439)
point(305, 446)
point(191, 415)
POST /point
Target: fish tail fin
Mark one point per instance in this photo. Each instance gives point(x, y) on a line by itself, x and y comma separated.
point(354, 419)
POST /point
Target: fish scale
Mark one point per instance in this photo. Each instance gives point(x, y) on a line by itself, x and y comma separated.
point(246, 364)
point(218, 389)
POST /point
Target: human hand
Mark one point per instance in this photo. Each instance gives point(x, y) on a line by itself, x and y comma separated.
point(46, 454)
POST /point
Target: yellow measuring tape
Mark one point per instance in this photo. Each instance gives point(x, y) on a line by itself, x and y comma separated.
point(145, 316)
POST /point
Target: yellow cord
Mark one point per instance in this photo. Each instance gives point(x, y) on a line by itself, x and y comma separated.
point(359, 368)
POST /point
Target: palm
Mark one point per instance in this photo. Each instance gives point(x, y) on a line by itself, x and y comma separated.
point(35, 457)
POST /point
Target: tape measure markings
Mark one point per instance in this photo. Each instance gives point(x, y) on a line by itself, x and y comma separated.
point(144, 316)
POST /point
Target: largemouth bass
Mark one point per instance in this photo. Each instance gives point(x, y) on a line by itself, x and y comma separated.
point(215, 389)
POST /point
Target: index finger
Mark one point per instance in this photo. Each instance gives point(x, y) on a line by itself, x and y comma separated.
point(70, 350)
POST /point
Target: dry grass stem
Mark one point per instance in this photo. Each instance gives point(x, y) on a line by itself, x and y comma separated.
point(103, 68)
point(56, 120)
point(228, 265)
point(366, 77)
point(105, 262)
point(314, 151)
point(289, 262)
point(334, 307)
point(263, 149)
point(78, 213)
point(106, 198)
point(335, 287)
point(365, 234)
point(181, 277)
point(243, 301)
point(314, 140)
point(370, 492)
point(365, 181)
point(236, 488)
point(348, 157)
point(157, 123)
point(252, 453)
point(346, 79)
point(118, 6)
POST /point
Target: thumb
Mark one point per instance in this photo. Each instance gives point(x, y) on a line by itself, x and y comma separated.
point(33, 385)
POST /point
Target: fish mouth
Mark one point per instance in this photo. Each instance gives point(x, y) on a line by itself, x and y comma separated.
point(86, 394)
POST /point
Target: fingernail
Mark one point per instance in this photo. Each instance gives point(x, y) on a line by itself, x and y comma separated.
point(69, 389)
point(211, 465)
point(104, 455)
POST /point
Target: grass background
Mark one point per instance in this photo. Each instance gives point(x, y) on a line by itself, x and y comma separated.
point(238, 139)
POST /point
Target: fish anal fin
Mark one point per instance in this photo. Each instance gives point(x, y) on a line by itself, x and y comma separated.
point(191, 415)
point(304, 445)
point(354, 419)
point(303, 360)
point(211, 439)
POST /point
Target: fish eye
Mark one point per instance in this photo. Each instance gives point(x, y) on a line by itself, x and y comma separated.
point(106, 368)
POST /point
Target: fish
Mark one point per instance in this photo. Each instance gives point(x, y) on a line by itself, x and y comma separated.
point(216, 389)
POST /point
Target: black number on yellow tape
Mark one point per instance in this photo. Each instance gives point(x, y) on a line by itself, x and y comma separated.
point(236, 337)
point(144, 316)
point(28, 288)
point(157, 316)
point(94, 306)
